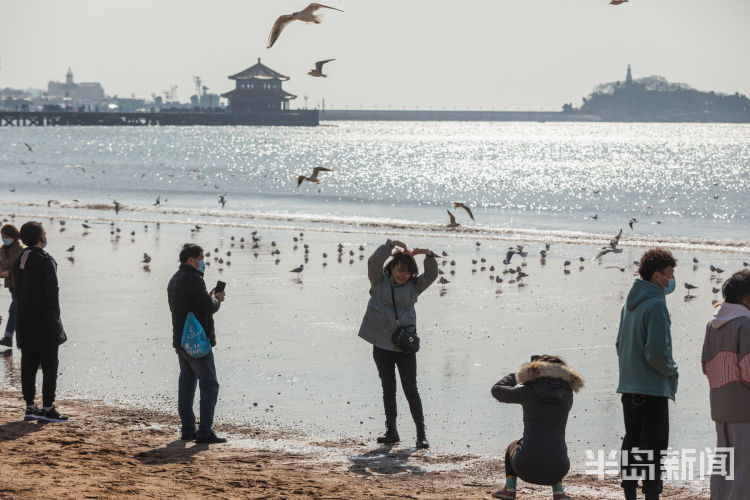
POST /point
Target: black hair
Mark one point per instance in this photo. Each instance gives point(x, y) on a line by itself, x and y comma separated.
point(655, 260)
point(31, 233)
point(189, 250)
point(405, 259)
point(548, 358)
point(10, 230)
point(737, 287)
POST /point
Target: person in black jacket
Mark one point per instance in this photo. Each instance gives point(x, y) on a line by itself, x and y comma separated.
point(544, 387)
point(187, 293)
point(39, 330)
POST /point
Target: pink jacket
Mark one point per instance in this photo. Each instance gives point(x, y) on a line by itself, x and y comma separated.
point(726, 363)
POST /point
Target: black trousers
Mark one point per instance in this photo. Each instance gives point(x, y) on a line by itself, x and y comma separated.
point(387, 361)
point(30, 361)
point(646, 428)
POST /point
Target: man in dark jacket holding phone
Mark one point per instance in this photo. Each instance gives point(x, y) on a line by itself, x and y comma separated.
point(39, 330)
point(187, 293)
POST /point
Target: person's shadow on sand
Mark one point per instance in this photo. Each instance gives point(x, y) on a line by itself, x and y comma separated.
point(174, 452)
point(15, 430)
point(384, 460)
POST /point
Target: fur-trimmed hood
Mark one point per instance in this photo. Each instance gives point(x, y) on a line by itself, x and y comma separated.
point(535, 370)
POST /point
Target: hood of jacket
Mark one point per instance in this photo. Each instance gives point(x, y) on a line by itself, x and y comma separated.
point(29, 255)
point(641, 291)
point(554, 379)
point(726, 312)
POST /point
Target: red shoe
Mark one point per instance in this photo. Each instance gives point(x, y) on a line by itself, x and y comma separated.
point(504, 494)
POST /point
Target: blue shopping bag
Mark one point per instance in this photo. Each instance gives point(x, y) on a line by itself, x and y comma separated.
point(194, 340)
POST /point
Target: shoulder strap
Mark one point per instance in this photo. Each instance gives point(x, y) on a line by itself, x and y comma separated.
point(395, 309)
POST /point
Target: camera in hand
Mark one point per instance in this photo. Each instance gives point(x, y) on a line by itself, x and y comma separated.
point(220, 285)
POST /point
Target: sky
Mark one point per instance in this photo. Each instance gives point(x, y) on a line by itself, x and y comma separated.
point(474, 54)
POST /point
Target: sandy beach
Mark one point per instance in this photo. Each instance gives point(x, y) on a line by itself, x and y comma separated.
point(107, 451)
point(302, 422)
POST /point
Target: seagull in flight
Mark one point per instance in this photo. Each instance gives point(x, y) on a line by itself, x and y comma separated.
point(457, 204)
point(314, 176)
point(453, 222)
point(518, 249)
point(318, 71)
point(27, 145)
point(307, 16)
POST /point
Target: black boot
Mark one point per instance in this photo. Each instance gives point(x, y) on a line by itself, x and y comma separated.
point(422, 442)
point(390, 436)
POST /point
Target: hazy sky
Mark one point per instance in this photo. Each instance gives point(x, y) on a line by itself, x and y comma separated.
point(493, 54)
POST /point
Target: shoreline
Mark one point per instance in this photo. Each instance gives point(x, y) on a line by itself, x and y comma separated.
point(108, 450)
point(275, 221)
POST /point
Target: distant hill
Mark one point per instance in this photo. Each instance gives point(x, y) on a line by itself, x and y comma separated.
point(655, 99)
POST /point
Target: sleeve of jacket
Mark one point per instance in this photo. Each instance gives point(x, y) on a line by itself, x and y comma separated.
point(507, 391)
point(206, 304)
point(429, 275)
point(376, 261)
point(659, 341)
point(51, 286)
point(743, 353)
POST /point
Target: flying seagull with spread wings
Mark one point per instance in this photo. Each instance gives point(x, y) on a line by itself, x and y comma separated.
point(457, 204)
point(307, 16)
point(452, 222)
point(314, 176)
point(318, 71)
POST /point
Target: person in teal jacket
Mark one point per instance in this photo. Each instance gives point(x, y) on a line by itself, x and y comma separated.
point(648, 373)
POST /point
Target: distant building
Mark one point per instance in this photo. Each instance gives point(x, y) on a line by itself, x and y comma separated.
point(258, 89)
point(86, 91)
point(653, 98)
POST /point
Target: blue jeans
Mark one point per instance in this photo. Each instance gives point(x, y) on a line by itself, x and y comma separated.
point(10, 326)
point(192, 372)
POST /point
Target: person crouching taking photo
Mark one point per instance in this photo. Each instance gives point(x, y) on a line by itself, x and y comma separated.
point(393, 293)
point(544, 388)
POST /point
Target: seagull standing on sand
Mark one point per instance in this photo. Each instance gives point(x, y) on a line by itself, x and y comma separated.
point(146, 258)
point(306, 16)
point(457, 204)
point(298, 269)
point(318, 70)
point(71, 249)
point(314, 176)
point(690, 287)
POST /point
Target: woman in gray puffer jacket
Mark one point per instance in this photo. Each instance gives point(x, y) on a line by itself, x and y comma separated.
point(398, 280)
point(544, 388)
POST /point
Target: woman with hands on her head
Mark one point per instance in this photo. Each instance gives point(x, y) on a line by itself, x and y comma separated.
point(394, 288)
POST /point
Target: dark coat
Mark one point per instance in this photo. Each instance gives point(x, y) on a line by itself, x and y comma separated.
point(8, 256)
point(38, 324)
point(546, 395)
point(187, 293)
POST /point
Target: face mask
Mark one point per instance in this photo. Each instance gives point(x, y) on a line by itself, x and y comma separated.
point(670, 287)
point(44, 245)
point(7, 242)
point(202, 266)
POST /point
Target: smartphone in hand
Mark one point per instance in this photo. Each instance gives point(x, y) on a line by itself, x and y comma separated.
point(220, 285)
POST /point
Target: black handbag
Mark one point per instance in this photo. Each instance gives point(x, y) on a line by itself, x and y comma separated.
point(404, 337)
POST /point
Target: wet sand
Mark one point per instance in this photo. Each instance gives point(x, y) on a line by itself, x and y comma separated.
point(106, 451)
